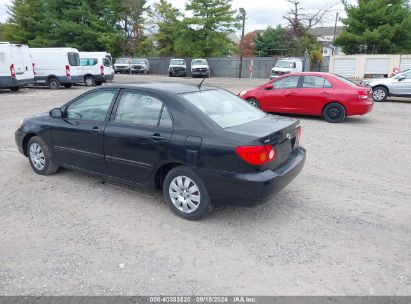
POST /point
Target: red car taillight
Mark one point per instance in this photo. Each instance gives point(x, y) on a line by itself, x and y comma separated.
point(67, 70)
point(102, 70)
point(34, 70)
point(12, 71)
point(256, 155)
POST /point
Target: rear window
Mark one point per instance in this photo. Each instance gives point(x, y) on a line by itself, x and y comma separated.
point(74, 59)
point(106, 62)
point(345, 80)
point(224, 108)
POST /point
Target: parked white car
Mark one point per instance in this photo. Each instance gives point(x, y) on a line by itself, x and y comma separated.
point(122, 65)
point(200, 68)
point(285, 66)
point(57, 66)
point(96, 67)
point(177, 67)
point(16, 66)
point(140, 66)
point(398, 85)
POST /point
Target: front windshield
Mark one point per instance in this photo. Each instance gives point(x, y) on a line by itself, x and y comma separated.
point(177, 62)
point(285, 64)
point(122, 61)
point(138, 61)
point(199, 62)
point(224, 108)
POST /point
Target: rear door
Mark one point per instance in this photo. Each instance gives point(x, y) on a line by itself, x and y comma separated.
point(313, 94)
point(78, 136)
point(137, 136)
point(282, 97)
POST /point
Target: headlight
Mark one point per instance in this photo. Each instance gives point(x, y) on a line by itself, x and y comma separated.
point(242, 93)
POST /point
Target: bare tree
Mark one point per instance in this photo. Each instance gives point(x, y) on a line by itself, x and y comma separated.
point(300, 20)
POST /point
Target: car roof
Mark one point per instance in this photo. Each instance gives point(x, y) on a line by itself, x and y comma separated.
point(162, 87)
point(309, 74)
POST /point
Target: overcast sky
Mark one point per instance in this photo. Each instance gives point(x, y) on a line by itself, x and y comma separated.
point(260, 13)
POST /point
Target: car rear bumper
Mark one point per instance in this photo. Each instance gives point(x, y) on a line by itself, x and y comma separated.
point(228, 188)
point(360, 109)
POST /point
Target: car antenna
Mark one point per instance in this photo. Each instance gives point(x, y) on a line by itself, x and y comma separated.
point(200, 84)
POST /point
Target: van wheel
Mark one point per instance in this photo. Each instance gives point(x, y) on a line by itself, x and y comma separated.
point(186, 194)
point(15, 89)
point(334, 112)
point(53, 83)
point(89, 81)
point(253, 102)
point(68, 85)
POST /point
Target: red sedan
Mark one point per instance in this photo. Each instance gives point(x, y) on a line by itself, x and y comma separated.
point(308, 93)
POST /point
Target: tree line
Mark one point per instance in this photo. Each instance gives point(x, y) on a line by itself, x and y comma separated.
point(124, 27)
point(131, 27)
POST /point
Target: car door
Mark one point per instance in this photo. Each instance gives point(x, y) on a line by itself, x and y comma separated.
point(137, 136)
point(78, 136)
point(403, 86)
point(282, 97)
point(313, 94)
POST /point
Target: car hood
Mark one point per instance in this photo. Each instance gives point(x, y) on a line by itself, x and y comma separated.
point(281, 69)
point(177, 66)
point(201, 66)
point(377, 80)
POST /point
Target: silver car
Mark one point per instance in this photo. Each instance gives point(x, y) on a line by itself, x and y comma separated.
point(399, 85)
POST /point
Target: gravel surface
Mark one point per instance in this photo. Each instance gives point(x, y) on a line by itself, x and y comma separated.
point(342, 227)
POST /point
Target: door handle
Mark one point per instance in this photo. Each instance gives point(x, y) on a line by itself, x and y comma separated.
point(96, 130)
point(157, 137)
point(325, 93)
point(291, 93)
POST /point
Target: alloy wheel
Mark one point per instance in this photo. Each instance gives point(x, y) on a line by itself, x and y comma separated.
point(184, 194)
point(378, 94)
point(37, 156)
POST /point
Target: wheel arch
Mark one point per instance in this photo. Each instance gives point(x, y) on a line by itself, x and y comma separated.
point(26, 140)
point(382, 86)
point(162, 172)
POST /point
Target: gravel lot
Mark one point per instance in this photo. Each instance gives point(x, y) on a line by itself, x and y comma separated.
point(343, 227)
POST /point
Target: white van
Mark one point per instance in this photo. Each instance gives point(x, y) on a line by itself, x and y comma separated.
point(96, 67)
point(57, 66)
point(16, 66)
point(287, 65)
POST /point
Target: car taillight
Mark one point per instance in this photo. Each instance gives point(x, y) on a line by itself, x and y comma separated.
point(299, 133)
point(256, 155)
point(102, 70)
point(67, 70)
point(34, 70)
point(12, 71)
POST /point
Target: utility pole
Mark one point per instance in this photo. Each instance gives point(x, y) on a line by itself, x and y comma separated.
point(335, 33)
point(242, 12)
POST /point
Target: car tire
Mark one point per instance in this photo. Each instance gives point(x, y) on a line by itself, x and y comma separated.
point(254, 102)
point(53, 83)
point(334, 112)
point(89, 81)
point(40, 157)
point(379, 94)
point(193, 202)
point(68, 85)
point(15, 89)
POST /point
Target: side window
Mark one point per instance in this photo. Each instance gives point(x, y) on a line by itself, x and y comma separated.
point(290, 82)
point(316, 82)
point(408, 75)
point(93, 106)
point(88, 61)
point(140, 109)
point(83, 62)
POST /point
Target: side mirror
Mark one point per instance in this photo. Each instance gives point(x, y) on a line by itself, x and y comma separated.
point(401, 78)
point(56, 113)
point(268, 86)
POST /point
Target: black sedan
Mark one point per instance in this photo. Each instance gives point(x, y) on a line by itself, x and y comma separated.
point(202, 146)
